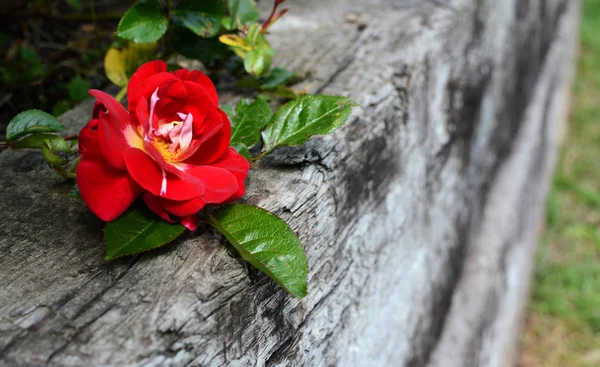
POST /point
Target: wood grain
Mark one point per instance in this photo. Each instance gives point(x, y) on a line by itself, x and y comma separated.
point(419, 217)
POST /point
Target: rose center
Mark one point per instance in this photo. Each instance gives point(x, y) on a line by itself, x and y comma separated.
point(171, 138)
point(163, 146)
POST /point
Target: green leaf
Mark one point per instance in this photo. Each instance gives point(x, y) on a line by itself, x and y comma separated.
point(277, 77)
point(244, 11)
point(258, 61)
point(215, 7)
point(53, 142)
point(32, 121)
point(136, 231)
point(266, 242)
point(296, 121)
point(243, 151)
point(254, 35)
point(207, 50)
point(203, 25)
point(78, 89)
point(114, 67)
point(66, 174)
point(32, 64)
point(285, 92)
point(265, 96)
point(137, 54)
point(201, 17)
point(228, 111)
point(145, 22)
point(75, 4)
point(121, 63)
point(249, 120)
point(249, 82)
point(49, 144)
point(74, 193)
point(61, 107)
point(52, 158)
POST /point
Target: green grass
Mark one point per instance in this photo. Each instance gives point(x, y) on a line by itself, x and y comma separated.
point(564, 322)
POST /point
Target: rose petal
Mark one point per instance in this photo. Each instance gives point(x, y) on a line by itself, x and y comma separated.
point(143, 115)
point(201, 79)
point(93, 123)
point(239, 166)
point(115, 132)
point(98, 106)
point(213, 148)
point(141, 75)
point(213, 124)
point(173, 100)
point(111, 107)
point(106, 191)
point(199, 101)
point(153, 119)
point(148, 174)
point(195, 143)
point(190, 222)
point(113, 142)
point(163, 164)
point(152, 202)
point(185, 137)
point(219, 184)
point(188, 209)
point(147, 87)
point(88, 141)
point(182, 208)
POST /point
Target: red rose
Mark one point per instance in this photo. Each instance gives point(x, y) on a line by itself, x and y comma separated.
point(171, 147)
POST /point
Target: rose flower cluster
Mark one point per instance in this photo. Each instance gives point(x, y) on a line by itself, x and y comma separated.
point(171, 147)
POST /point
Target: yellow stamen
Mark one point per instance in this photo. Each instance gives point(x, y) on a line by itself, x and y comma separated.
point(162, 145)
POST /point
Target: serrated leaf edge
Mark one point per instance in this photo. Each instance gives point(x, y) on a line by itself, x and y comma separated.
point(217, 225)
point(109, 257)
point(341, 104)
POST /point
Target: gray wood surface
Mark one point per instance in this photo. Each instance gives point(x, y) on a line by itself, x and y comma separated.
point(419, 218)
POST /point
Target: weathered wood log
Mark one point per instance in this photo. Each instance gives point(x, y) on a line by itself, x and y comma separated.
point(419, 218)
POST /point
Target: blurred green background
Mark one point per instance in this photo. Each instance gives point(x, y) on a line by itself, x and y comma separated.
point(563, 326)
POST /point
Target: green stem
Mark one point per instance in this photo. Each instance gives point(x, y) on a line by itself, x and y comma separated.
point(71, 137)
point(121, 93)
point(261, 155)
point(63, 173)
